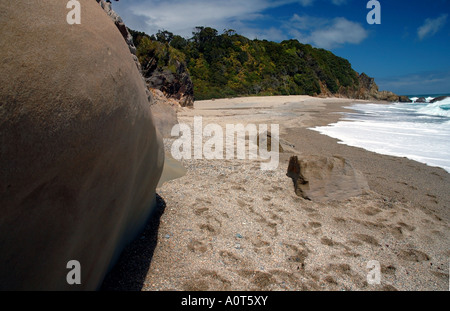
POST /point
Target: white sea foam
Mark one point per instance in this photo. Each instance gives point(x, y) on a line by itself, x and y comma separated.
point(440, 108)
point(418, 132)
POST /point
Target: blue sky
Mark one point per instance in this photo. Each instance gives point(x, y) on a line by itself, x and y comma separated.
point(408, 53)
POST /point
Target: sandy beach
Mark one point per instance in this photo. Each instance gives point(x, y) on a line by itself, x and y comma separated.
point(228, 225)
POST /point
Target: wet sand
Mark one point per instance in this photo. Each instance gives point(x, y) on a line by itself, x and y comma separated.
point(227, 225)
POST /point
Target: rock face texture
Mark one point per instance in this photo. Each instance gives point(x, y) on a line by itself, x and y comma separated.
point(438, 99)
point(421, 100)
point(80, 157)
point(319, 178)
point(175, 84)
point(164, 111)
point(106, 6)
point(368, 90)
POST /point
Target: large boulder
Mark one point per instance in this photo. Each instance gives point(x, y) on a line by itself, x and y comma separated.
point(387, 96)
point(80, 157)
point(165, 112)
point(321, 179)
point(106, 6)
point(176, 84)
point(404, 99)
point(421, 100)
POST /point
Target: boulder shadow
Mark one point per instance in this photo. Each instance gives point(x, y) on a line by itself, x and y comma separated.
point(130, 271)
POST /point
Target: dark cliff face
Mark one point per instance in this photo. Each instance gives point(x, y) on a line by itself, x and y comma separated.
point(164, 68)
point(367, 82)
point(368, 90)
point(173, 80)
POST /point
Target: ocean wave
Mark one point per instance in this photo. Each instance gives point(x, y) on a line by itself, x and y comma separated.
point(424, 142)
point(440, 108)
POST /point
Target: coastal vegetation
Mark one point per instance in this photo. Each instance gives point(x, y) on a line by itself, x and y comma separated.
point(229, 64)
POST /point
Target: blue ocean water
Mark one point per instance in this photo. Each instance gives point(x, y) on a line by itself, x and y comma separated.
point(418, 131)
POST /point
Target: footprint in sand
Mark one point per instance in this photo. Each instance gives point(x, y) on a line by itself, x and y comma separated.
point(406, 226)
point(413, 255)
point(329, 242)
point(196, 246)
point(212, 227)
point(276, 189)
point(200, 211)
point(340, 220)
point(367, 239)
point(261, 280)
point(261, 246)
point(238, 188)
point(343, 271)
point(275, 217)
point(313, 227)
point(388, 270)
point(241, 203)
point(397, 232)
point(371, 211)
point(296, 255)
point(231, 259)
point(207, 280)
point(208, 228)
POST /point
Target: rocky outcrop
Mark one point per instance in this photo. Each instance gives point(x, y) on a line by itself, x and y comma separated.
point(438, 99)
point(320, 178)
point(421, 100)
point(294, 172)
point(368, 90)
point(367, 87)
point(404, 99)
point(387, 96)
point(175, 83)
point(80, 157)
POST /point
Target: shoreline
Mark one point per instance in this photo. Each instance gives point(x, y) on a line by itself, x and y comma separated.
point(435, 180)
point(227, 225)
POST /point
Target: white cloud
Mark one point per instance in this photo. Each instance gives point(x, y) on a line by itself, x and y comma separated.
point(182, 16)
point(340, 32)
point(431, 26)
point(324, 33)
